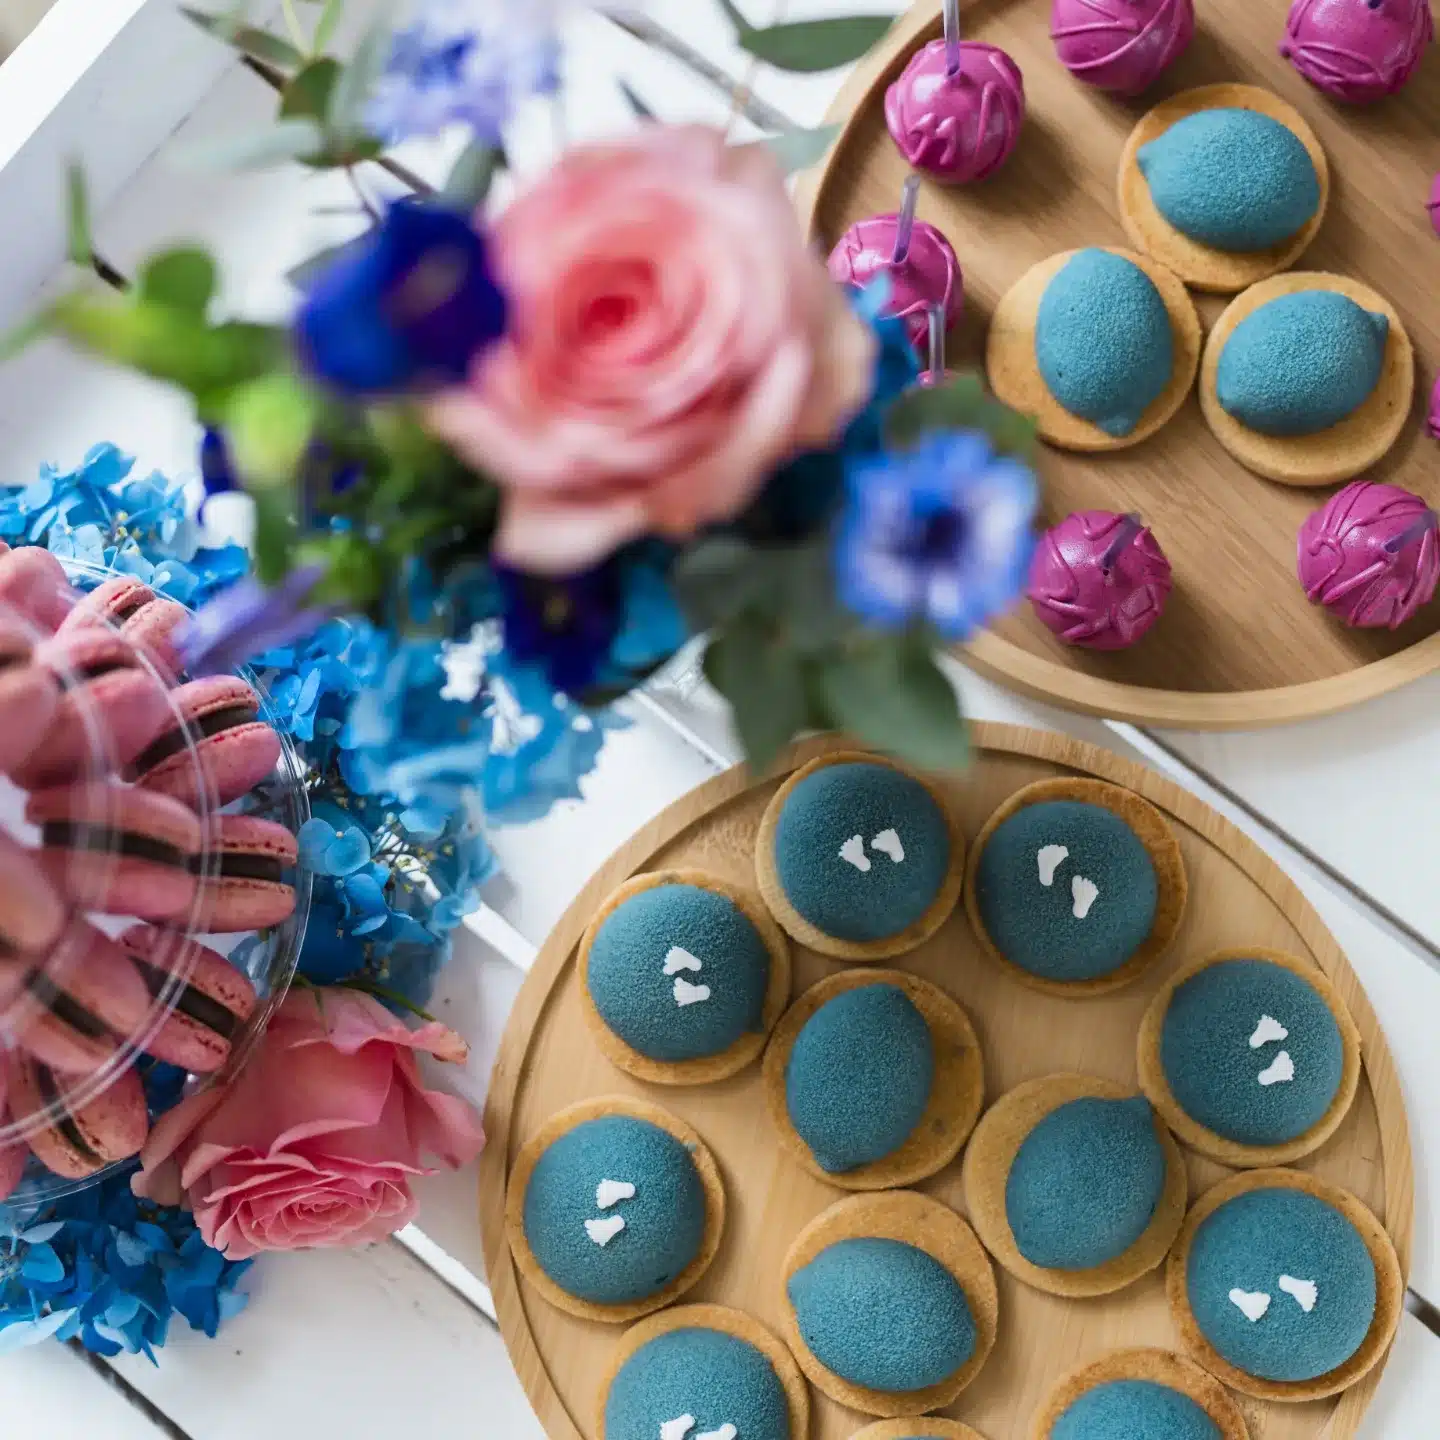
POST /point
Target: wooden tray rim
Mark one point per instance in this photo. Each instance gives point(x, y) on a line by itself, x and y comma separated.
point(1034, 675)
point(1062, 750)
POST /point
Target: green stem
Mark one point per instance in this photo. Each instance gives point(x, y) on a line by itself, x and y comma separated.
point(297, 32)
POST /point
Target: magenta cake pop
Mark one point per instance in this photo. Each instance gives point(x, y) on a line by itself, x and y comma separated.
point(1357, 50)
point(956, 110)
point(1433, 421)
point(1120, 45)
point(916, 259)
point(1099, 580)
point(1370, 555)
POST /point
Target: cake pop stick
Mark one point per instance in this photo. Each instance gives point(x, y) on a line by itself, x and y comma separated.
point(916, 257)
point(956, 111)
point(935, 372)
point(1129, 527)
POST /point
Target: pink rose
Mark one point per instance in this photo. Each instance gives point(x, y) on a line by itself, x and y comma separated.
point(672, 341)
point(315, 1142)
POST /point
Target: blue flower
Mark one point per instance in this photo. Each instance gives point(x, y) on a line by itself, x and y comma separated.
point(216, 468)
point(109, 1270)
point(247, 620)
point(603, 627)
point(939, 534)
point(412, 305)
point(447, 69)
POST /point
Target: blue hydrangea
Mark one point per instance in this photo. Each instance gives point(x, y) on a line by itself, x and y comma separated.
point(109, 1270)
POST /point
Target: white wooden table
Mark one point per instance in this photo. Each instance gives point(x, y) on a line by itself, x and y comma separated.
point(398, 1338)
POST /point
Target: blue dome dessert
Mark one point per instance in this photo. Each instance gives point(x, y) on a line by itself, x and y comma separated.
point(1103, 341)
point(1134, 1410)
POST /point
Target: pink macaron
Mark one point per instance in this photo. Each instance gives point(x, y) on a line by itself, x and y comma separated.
point(117, 850)
point(211, 1009)
point(12, 1163)
point(243, 883)
point(32, 912)
point(236, 750)
point(108, 711)
point(72, 1014)
point(144, 618)
point(34, 582)
point(77, 1142)
point(28, 697)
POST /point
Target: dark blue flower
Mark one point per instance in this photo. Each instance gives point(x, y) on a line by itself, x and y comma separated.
point(941, 534)
point(411, 305)
point(247, 620)
point(216, 469)
point(109, 1270)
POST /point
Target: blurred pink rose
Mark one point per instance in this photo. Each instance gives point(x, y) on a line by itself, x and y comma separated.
point(315, 1142)
point(672, 340)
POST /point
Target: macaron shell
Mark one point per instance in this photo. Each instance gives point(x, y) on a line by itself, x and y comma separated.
point(28, 699)
point(107, 880)
point(109, 604)
point(12, 1168)
point(34, 913)
point(112, 1127)
point(153, 628)
point(34, 582)
point(231, 903)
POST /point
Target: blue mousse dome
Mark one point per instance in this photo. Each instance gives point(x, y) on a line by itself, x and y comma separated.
point(847, 806)
point(1085, 1182)
point(1034, 925)
point(626, 972)
point(1103, 340)
point(664, 1220)
point(1232, 179)
point(1214, 1071)
point(883, 1314)
point(1301, 363)
point(715, 1377)
point(859, 1076)
point(1134, 1410)
point(1247, 1245)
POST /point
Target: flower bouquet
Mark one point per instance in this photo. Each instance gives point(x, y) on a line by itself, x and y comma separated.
point(504, 462)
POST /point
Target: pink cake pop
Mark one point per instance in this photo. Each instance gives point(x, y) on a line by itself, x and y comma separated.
point(1099, 580)
point(957, 109)
point(917, 258)
point(1370, 555)
point(1357, 50)
point(1433, 204)
point(1120, 45)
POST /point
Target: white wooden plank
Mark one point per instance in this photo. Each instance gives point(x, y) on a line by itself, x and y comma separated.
point(1407, 1399)
point(366, 1344)
point(49, 1391)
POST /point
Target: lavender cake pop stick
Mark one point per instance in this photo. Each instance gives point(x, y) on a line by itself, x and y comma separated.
point(952, 38)
point(905, 221)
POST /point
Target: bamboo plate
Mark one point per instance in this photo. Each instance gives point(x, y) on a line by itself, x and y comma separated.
point(1239, 646)
point(549, 1059)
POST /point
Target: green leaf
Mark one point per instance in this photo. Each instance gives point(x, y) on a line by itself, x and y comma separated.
point(306, 271)
point(299, 138)
point(325, 26)
point(716, 579)
point(808, 46)
point(80, 244)
point(354, 570)
point(732, 11)
point(308, 94)
point(888, 691)
point(269, 423)
point(638, 107)
point(247, 39)
point(763, 684)
point(22, 336)
point(357, 79)
point(468, 184)
point(274, 535)
point(799, 149)
point(804, 599)
point(182, 279)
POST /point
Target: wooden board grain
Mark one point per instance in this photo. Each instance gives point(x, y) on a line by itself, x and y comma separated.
point(549, 1059)
point(1239, 646)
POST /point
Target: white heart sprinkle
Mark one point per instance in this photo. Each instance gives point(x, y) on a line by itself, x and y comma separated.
point(1050, 858)
point(677, 959)
point(1306, 1292)
point(1085, 893)
point(602, 1232)
point(888, 843)
point(725, 1432)
point(1251, 1306)
point(1269, 1029)
point(678, 1428)
point(612, 1192)
point(1281, 1068)
point(688, 994)
point(853, 850)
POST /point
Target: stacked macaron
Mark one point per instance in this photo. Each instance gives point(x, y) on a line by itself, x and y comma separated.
point(127, 764)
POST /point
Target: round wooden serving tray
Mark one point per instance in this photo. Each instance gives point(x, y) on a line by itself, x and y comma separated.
point(549, 1059)
point(1239, 646)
